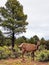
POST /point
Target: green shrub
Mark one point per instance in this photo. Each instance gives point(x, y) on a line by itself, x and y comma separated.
point(42, 55)
point(17, 52)
point(16, 48)
point(12, 56)
point(4, 52)
point(41, 47)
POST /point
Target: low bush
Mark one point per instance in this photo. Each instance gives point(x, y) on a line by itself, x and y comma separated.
point(42, 47)
point(42, 55)
point(6, 53)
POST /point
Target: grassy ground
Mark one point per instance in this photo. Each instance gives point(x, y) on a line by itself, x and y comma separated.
point(19, 62)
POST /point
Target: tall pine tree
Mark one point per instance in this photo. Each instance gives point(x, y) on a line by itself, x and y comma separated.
point(13, 18)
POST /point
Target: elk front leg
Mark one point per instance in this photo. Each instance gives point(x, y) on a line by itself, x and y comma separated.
point(32, 55)
point(23, 52)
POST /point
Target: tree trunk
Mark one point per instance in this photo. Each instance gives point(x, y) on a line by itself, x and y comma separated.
point(13, 39)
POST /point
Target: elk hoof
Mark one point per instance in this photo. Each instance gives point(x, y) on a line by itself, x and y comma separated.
point(23, 60)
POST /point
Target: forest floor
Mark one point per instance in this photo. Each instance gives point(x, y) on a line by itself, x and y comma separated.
point(20, 62)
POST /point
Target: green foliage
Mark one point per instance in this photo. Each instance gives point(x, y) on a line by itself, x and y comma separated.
point(4, 52)
point(43, 41)
point(14, 19)
point(17, 52)
point(20, 40)
point(47, 45)
point(31, 40)
point(34, 39)
point(42, 47)
point(42, 55)
point(7, 42)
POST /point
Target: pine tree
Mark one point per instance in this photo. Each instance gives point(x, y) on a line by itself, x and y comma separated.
point(13, 18)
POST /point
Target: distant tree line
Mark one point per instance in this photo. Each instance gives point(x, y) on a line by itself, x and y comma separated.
point(33, 40)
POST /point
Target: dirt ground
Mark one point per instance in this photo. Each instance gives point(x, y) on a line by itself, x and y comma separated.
point(20, 62)
point(39, 63)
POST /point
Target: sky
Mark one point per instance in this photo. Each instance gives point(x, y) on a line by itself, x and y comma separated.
point(38, 17)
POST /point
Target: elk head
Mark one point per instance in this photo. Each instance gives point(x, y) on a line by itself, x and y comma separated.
point(38, 44)
point(22, 46)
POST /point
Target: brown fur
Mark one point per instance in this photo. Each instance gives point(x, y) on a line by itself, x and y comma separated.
point(27, 47)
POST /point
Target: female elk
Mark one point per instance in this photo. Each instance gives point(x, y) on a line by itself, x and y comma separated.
point(27, 47)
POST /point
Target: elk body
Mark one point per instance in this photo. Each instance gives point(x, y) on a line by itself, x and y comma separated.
point(27, 47)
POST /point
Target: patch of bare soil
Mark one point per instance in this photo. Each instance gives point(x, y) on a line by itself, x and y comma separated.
point(39, 63)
